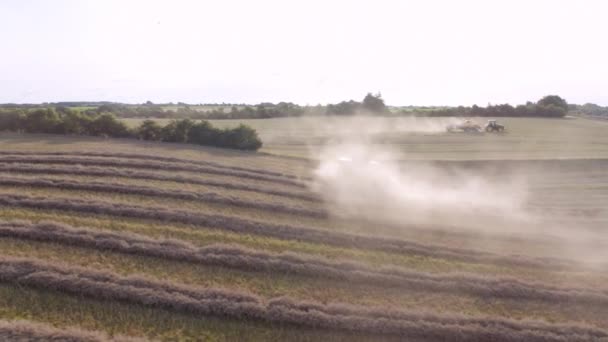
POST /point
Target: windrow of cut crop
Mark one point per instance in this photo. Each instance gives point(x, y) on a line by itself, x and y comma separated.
point(204, 197)
point(154, 158)
point(280, 231)
point(238, 257)
point(285, 311)
point(78, 170)
point(147, 165)
point(27, 331)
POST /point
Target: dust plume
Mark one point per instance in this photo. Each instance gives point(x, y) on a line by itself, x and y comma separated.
point(323, 130)
point(489, 204)
point(361, 180)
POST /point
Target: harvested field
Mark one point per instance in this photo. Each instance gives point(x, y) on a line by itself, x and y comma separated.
point(298, 233)
point(290, 263)
point(29, 331)
point(127, 173)
point(104, 240)
point(209, 197)
point(153, 158)
point(218, 302)
point(148, 164)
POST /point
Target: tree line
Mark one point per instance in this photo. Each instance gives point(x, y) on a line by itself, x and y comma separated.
point(372, 104)
point(66, 121)
point(590, 109)
point(551, 106)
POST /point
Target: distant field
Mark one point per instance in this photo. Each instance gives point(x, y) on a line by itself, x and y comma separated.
point(247, 246)
point(200, 108)
point(82, 108)
point(425, 138)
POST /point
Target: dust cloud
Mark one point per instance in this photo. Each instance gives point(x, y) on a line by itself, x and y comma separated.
point(360, 180)
point(329, 130)
point(361, 177)
point(368, 125)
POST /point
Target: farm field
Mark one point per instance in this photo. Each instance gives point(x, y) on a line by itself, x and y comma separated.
point(421, 236)
point(424, 138)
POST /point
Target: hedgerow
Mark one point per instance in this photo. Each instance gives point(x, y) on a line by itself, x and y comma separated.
point(67, 121)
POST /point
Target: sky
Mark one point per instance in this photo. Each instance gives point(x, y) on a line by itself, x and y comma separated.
point(426, 52)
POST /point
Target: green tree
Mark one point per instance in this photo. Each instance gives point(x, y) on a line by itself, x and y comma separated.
point(177, 131)
point(203, 133)
point(41, 121)
point(149, 130)
point(550, 110)
point(12, 120)
point(242, 137)
point(107, 124)
point(343, 108)
point(73, 122)
point(553, 100)
point(374, 103)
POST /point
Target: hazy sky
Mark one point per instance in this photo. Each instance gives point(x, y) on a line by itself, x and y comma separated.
point(414, 52)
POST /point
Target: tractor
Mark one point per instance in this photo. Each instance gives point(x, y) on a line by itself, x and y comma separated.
point(493, 126)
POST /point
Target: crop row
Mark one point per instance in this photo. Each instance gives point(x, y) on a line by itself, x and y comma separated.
point(141, 174)
point(148, 165)
point(290, 263)
point(205, 197)
point(245, 306)
point(27, 331)
point(280, 231)
point(149, 157)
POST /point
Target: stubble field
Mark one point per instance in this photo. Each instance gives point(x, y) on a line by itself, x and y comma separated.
point(338, 230)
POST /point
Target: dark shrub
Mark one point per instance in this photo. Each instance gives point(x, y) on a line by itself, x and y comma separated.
point(73, 123)
point(242, 138)
point(555, 101)
point(202, 133)
point(107, 124)
point(374, 103)
point(149, 130)
point(177, 131)
point(41, 121)
point(12, 120)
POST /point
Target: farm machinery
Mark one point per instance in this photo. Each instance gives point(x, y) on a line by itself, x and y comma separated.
point(469, 126)
point(493, 126)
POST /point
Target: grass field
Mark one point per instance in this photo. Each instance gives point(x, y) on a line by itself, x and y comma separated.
point(423, 138)
point(443, 237)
